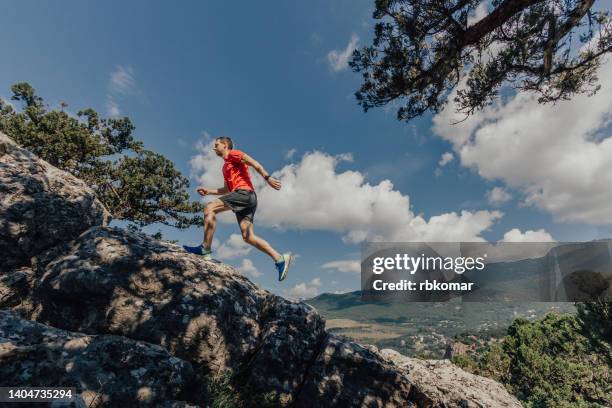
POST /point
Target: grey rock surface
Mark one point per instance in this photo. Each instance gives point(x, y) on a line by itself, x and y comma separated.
point(348, 374)
point(440, 383)
point(16, 287)
point(102, 368)
point(40, 205)
point(111, 280)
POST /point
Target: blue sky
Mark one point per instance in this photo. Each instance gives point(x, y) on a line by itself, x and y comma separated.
point(272, 77)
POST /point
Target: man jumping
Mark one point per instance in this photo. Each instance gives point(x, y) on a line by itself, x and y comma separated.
point(241, 199)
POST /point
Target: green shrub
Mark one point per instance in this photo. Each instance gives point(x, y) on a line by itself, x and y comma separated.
point(550, 362)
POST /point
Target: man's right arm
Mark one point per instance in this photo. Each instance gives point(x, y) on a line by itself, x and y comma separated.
point(213, 191)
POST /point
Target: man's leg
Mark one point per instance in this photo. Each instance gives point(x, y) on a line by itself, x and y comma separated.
point(210, 220)
point(246, 227)
point(281, 262)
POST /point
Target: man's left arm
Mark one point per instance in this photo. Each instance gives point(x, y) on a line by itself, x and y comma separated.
point(274, 183)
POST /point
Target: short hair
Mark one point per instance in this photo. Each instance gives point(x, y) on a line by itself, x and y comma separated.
point(227, 141)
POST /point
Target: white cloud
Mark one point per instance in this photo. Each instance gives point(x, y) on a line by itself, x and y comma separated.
point(314, 196)
point(445, 159)
point(515, 235)
point(558, 156)
point(345, 157)
point(122, 80)
point(121, 83)
point(498, 196)
point(305, 290)
point(509, 248)
point(338, 59)
point(290, 154)
point(234, 247)
point(351, 266)
point(248, 268)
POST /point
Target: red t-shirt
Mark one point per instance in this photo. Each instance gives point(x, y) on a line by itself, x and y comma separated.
point(235, 172)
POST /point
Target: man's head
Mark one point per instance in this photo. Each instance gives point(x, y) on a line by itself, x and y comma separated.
point(223, 144)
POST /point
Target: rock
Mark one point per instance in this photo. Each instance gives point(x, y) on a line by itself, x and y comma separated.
point(440, 383)
point(111, 280)
point(105, 369)
point(40, 206)
point(15, 287)
point(347, 374)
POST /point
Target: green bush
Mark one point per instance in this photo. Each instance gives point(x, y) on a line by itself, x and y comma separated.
point(556, 361)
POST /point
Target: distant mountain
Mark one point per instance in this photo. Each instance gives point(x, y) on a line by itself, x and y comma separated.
point(576, 271)
point(563, 272)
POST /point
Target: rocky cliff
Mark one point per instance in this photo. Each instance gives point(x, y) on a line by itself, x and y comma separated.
point(133, 321)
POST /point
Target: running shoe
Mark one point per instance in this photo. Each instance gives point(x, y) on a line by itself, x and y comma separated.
point(199, 250)
point(282, 266)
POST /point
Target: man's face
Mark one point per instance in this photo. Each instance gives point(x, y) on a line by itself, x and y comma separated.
point(219, 148)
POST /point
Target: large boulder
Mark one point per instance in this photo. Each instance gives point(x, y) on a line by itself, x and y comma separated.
point(110, 280)
point(347, 374)
point(440, 383)
point(40, 206)
point(103, 369)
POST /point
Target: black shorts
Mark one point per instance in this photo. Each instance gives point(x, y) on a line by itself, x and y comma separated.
point(242, 202)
